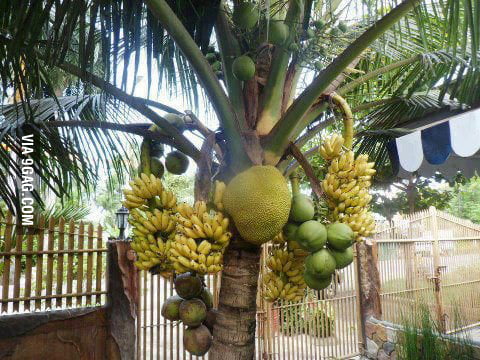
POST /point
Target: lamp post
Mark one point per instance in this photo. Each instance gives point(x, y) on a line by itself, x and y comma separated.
point(122, 221)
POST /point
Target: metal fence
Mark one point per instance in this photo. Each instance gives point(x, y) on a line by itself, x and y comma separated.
point(52, 265)
point(323, 326)
point(430, 259)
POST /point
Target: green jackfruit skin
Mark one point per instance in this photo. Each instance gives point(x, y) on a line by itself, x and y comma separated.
point(258, 200)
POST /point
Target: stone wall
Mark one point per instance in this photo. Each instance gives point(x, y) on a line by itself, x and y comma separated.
point(381, 339)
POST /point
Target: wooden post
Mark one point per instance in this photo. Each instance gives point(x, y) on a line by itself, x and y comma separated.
point(368, 286)
point(437, 271)
point(121, 301)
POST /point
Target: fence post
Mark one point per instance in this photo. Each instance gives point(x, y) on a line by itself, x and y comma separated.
point(368, 286)
point(437, 271)
point(122, 301)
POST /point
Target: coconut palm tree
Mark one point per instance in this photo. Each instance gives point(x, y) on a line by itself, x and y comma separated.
point(391, 60)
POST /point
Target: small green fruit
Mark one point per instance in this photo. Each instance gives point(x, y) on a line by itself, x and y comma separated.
point(197, 340)
point(156, 167)
point(188, 286)
point(277, 32)
point(170, 308)
point(176, 162)
point(320, 263)
point(243, 68)
point(318, 65)
point(192, 312)
point(302, 208)
point(339, 236)
point(334, 31)
point(245, 15)
point(316, 283)
point(311, 235)
point(289, 230)
point(310, 33)
point(207, 298)
point(343, 258)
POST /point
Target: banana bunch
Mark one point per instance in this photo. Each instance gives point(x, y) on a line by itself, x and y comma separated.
point(156, 221)
point(144, 188)
point(332, 147)
point(151, 252)
point(347, 185)
point(201, 239)
point(218, 194)
point(285, 278)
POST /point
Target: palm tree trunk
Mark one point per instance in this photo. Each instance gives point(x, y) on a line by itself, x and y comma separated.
point(234, 331)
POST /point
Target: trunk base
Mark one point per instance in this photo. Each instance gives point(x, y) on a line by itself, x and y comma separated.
point(234, 331)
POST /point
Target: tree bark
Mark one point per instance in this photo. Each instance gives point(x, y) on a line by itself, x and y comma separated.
point(234, 331)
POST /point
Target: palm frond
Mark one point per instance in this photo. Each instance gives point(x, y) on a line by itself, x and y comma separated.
point(69, 156)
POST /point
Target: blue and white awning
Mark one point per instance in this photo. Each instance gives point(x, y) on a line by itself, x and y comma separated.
point(448, 146)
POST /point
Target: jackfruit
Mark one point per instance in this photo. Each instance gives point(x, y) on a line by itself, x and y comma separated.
point(258, 200)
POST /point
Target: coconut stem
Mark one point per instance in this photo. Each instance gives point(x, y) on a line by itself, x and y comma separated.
point(342, 104)
point(294, 181)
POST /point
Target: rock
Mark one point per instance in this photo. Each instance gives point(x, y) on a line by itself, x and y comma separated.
point(372, 349)
point(388, 347)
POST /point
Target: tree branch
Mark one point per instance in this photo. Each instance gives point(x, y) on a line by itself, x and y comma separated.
point(141, 105)
point(314, 183)
point(134, 129)
point(280, 136)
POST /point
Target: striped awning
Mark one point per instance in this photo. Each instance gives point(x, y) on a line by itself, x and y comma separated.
point(448, 146)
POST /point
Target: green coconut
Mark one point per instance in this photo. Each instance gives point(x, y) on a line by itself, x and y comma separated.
point(302, 208)
point(192, 312)
point(211, 319)
point(320, 263)
point(245, 15)
point(156, 167)
point(176, 162)
point(243, 68)
point(339, 236)
point(277, 32)
point(188, 286)
point(311, 235)
point(315, 282)
point(170, 308)
point(343, 258)
point(197, 340)
point(289, 230)
point(207, 298)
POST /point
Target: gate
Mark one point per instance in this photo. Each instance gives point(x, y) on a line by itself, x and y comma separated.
point(430, 259)
point(323, 326)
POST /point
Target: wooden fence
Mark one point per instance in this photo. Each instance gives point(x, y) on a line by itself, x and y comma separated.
point(430, 259)
point(54, 264)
